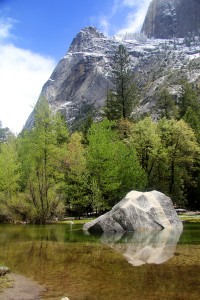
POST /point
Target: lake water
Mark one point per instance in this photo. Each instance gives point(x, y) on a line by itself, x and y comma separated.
point(69, 263)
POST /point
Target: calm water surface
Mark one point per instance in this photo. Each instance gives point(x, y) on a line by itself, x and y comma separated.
point(69, 263)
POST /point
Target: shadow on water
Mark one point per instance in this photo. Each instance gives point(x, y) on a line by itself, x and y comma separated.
point(140, 265)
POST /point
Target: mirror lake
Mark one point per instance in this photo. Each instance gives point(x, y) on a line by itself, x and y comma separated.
point(71, 263)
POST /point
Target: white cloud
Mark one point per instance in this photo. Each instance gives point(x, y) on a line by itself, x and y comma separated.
point(105, 21)
point(130, 3)
point(135, 17)
point(6, 25)
point(132, 22)
point(22, 74)
point(104, 24)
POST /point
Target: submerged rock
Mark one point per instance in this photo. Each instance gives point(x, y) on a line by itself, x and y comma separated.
point(138, 211)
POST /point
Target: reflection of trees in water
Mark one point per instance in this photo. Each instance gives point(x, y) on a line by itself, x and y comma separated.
point(31, 250)
point(138, 248)
point(42, 257)
point(85, 269)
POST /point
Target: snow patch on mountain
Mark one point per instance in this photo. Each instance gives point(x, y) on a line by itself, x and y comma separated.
point(80, 81)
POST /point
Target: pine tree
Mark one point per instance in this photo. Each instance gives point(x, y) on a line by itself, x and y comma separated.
point(121, 100)
point(166, 105)
point(188, 99)
point(189, 107)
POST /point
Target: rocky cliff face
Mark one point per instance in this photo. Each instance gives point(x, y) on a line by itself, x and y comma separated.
point(79, 83)
point(166, 19)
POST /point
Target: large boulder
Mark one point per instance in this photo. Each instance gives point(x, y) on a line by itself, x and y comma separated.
point(137, 211)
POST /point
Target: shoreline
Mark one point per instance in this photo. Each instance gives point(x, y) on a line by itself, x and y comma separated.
point(22, 288)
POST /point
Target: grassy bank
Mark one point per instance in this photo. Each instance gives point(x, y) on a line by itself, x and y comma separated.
point(75, 221)
point(190, 218)
point(186, 217)
point(5, 282)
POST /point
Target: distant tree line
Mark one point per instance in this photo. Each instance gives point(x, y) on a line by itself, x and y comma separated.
point(48, 172)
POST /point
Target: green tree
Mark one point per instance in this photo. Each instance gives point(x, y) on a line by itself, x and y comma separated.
point(9, 178)
point(182, 152)
point(5, 134)
point(112, 164)
point(42, 154)
point(192, 118)
point(76, 176)
point(122, 99)
point(131, 174)
point(189, 106)
point(145, 137)
point(96, 197)
point(189, 99)
point(166, 105)
point(9, 169)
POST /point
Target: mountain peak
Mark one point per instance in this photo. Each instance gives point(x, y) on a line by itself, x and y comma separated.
point(92, 31)
point(172, 18)
point(78, 86)
point(84, 39)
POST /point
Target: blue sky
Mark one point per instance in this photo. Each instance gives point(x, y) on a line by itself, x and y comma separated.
point(35, 34)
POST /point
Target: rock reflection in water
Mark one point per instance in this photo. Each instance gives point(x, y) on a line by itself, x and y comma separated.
point(138, 248)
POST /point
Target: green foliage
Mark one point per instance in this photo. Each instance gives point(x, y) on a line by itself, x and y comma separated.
point(166, 105)
point(124, 128)
point(97, 202)
point(112, 164)
point(102, 159)
point(9, 178)
point(189, 107)
point(76, 175)
point(146, 139)
point(42, 155)
point(189, 99)
point(5, 134)
point(9, 169)
point(113, 108)
point(122, 99)
point(168, 152)
point(182, 152)
point(84, 117)
point(5, 282)
point(131, 174)
point(46, 172)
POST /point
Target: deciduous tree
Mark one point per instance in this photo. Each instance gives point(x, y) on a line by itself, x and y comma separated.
point(9, 178)
point(112, 164)
point(76, 176)
point(182, 152)
point(42, 157)
point(145, 137)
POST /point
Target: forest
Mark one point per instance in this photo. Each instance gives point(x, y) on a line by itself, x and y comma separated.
point(51, 171)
